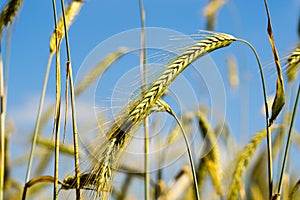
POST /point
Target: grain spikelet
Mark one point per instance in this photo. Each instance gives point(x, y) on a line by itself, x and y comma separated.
point(293, 64)
point(71, 12)
point(119, 135)
point(243, 161)
point(212, 160)
point(8, 13)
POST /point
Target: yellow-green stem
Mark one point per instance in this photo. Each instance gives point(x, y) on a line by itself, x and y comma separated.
point(269, 141)
point(74, 120)
point(146, 121)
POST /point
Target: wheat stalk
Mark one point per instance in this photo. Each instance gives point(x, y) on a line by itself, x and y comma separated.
point(71, 12)
point(293, 64)
point(118, 135)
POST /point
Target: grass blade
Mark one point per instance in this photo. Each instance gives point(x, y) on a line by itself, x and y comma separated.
point(279, 100)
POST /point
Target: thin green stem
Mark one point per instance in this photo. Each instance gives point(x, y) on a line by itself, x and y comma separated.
point(170, 111)
point(269, 140)
point(66, 30)
point(287, 147)
point(74, 119)
point(37, 124)
point(56, 127)
point(146, 121)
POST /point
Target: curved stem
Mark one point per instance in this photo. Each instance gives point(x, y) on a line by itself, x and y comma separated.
point(37, 124)
point(269, 140)
point(170, 111)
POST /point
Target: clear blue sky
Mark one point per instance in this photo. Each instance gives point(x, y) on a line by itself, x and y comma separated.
point(99, 20)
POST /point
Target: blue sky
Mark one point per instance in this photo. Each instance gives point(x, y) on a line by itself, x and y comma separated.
point(99, 20)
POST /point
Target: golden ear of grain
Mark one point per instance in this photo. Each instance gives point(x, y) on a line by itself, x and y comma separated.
point(212, 159)
point(119, 135)
point(159, 86)
point(243, 161)
point(293, 64)
point(8, 13)
point(101, 175)
point(71, 12)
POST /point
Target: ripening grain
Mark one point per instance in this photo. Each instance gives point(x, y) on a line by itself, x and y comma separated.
point(118, 135)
